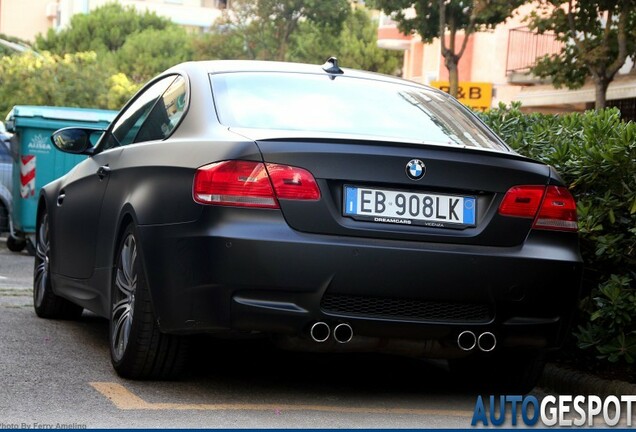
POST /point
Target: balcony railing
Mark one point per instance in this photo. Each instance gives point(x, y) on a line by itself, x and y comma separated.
point(525, 47)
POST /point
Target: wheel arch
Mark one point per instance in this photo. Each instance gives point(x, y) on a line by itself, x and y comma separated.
point(127, 217)
point(41, 208)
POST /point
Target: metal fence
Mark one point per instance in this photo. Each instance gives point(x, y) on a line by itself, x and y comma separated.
point(525, 47)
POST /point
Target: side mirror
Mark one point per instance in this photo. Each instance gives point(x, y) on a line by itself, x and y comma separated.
point(75, 140)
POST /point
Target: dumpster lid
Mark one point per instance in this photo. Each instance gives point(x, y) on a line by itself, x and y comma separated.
point(62, 113)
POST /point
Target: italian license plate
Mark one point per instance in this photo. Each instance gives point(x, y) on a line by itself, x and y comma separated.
point(409, 208)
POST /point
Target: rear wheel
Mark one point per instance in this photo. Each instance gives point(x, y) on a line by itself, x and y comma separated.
point(45, 302)
point(138, 349)
point(512, 373)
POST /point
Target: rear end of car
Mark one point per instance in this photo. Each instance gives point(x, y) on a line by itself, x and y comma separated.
point(379, 212)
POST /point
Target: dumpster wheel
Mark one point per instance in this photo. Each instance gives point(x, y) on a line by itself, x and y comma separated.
point(15, 244)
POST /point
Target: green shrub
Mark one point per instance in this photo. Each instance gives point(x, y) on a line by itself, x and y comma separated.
point(595, 153)
point(73, 80)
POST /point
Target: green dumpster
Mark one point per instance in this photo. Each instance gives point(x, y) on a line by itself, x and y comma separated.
point(36, 163)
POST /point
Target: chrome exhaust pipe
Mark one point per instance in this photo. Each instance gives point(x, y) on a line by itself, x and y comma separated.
point(466, 340)
point(320, 331)
point(343, 333)
point(487, 342)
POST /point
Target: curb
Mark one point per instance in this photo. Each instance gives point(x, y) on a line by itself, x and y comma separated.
point(566, 381)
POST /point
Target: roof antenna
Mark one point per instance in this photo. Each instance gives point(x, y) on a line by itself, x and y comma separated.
point(331, 67)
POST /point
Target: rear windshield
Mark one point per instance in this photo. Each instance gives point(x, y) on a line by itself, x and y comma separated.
point(346, 105)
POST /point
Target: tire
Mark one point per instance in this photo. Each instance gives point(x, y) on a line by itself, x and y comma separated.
point(138, 349)
point(46, 303)
point(505, 373)
point(30, 247)
point(15, 244)
point(4, 219)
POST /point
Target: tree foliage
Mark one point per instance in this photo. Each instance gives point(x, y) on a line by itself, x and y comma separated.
point(73, 80)
point(597, 36)
point(278, 20)
point(104, 29)
point(355, 46)
point(266, 27)
point(446, 19)
point(221, 43)
point(147, 53)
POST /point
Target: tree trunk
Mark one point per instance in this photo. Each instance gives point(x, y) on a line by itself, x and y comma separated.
point(282, 51)
point(601, 85)
point(453, 75)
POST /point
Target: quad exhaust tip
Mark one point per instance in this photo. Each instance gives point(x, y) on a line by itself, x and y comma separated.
point(343, 333)
point(487, 342)
point(467, 341)
point(320, 331)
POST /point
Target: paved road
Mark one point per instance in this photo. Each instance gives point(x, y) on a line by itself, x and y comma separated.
point(15, 269)
point(58, 372)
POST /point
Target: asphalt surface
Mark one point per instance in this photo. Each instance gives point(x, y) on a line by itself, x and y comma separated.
point(58, 374)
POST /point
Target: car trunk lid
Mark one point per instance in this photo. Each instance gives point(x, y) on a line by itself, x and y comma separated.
point(453, 179)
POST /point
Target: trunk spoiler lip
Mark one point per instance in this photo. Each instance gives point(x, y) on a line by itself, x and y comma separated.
point(282, 135)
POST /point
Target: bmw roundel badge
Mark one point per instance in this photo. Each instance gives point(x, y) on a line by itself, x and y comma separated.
point(415, 169)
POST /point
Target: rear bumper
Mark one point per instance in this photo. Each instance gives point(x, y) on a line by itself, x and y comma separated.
point(232, 270)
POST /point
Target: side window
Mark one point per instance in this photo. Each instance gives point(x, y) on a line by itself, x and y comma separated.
point(129, 123)
point(165, 114)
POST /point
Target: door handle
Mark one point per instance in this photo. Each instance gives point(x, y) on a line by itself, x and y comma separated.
point(103, 171)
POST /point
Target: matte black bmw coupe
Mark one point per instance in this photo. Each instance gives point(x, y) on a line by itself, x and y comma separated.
point(330, 208)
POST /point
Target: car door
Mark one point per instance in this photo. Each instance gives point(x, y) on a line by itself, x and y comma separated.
point(80, 199)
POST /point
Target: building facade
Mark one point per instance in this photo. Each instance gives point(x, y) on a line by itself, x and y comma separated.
point(501, 59)
point(27, 18)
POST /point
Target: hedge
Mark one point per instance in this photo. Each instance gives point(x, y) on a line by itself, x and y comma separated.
point(595, 153)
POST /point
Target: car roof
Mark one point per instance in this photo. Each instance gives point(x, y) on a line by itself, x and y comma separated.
point(229, 66)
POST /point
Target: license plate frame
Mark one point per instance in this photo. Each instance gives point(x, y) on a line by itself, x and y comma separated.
point(438, 210)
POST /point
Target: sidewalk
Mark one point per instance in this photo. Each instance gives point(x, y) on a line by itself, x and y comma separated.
point(566, 381)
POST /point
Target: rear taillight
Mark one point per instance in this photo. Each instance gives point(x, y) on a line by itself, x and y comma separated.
point(252, 184)
point(293, 183)
point(551, 207)
point(522, 201)
point(558, 210)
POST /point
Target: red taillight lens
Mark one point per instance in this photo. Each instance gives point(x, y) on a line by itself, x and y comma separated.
point(247, 184)
point(293, 183)
point(558, 210)
point(234, 183)
point(522, 201)
point(551, 207)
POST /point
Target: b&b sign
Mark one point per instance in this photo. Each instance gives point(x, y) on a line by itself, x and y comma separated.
point(477, 95)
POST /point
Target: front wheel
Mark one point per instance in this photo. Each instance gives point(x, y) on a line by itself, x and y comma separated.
point(45, 302)
point(138, 349)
